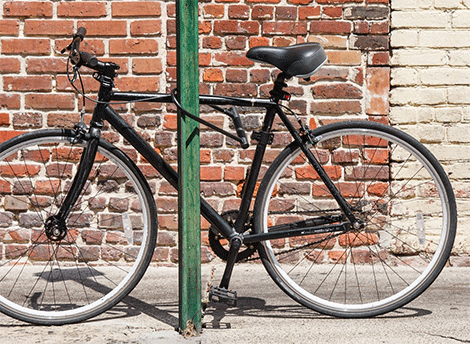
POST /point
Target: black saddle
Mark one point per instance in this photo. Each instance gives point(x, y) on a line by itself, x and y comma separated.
point(300, 60)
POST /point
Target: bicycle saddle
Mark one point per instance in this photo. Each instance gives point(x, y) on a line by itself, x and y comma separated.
point(300, 60)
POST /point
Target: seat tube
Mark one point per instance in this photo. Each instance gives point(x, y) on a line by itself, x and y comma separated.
point(250, 185)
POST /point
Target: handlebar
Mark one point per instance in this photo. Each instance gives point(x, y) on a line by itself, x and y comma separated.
point(82, 58)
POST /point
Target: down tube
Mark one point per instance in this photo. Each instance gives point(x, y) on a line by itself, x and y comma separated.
point(164, 168)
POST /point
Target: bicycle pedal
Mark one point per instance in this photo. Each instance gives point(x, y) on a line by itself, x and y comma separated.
point(218, 294)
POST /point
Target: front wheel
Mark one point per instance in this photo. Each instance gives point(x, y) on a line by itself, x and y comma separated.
point(57, 273)
point(393, 184)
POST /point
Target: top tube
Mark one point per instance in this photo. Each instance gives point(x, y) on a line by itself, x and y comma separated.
point(204, 99)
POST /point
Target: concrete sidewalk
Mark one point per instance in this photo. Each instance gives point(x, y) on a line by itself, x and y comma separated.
point(263, 315)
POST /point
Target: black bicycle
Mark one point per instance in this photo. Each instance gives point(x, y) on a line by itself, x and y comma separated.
point(351, 219)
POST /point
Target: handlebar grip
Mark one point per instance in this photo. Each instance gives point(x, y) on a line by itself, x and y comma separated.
point(81, 32)
point(238, 126)
point(88, 59)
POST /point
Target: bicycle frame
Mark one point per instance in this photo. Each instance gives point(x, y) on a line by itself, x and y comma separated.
point(104, 112)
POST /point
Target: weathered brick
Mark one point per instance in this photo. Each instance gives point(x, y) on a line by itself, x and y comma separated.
point(371, 42)
point(78, 9)
point(9, 65)
point(236, 27)
point(331, 26)
point(30, 9)
point(9, 27)
point(27, 83)
point(107, 28)
point(26, 46)
point(146, 28)
point(262, 12)
point(367, 12)
point(134, 46)
point(291, 28)
point(136, 9)
point(239, 12)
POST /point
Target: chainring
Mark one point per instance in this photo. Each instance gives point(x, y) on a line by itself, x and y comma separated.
point(219, 245)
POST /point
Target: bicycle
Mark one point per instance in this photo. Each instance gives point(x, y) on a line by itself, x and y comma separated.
point(345, 208)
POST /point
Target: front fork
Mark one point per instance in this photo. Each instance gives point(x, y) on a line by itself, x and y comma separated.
point(81, 177)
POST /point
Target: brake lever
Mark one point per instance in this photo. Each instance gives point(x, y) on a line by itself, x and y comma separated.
point(75, 73)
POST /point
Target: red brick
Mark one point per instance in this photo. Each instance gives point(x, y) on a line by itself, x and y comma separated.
point(333, 12)
point(331, 26)
point(27, 83)
point(286, 13)
point(236, 27)
point(45, 65)
point(379, 58)
point(290, 28)
point(346, 57)
point(9, 27)
point(213, 75)
point(235, 43)
point(146, 27)
point(336, 1)
point(9, 65)
point(378, 86)
point(211, 173)
point(212, 42)
point(30, 9)
point(236, 90)
point(147, 65)
point(10, 101)
point(36, 27)
point(239, 12)
point(341, 91)
point(138, 83)
point(107, 28)
point(26, 46)
point(133, 46)
point(136, 9)
point(234, 173)
point(337, 107)
point(260, 76)
point(213, 11)
point(262, 12)
point(264, 1)
point(81, 9)
point(236, 75)
point(299, 2)
point(205, 27)
point(9, 134)
point(50, 101)
point(283, 41)
point(4, 120)
point(380, 27)
point(61, 120)
point(258, 41)
point(92, 46)
point(233, 59)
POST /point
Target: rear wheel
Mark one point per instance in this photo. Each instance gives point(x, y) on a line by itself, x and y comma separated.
point(393, 184)
point(52, 273)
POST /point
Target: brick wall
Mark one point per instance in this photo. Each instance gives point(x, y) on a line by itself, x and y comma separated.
point(430, 42)
point(140, 37)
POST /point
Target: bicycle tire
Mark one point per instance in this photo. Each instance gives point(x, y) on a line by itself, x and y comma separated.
point(52, 279)
point(394, 184)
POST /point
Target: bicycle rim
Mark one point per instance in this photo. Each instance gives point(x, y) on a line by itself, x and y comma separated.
point(51, 278)
point(394, 185)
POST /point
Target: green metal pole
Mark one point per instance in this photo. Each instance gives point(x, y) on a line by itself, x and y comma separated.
point(189, 238)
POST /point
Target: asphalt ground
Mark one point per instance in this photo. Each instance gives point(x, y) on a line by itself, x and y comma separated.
point(263, 315)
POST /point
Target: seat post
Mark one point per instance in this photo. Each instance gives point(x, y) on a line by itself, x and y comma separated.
point(278, 93)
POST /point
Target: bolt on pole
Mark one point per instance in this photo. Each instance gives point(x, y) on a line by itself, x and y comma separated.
point(189, 223)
